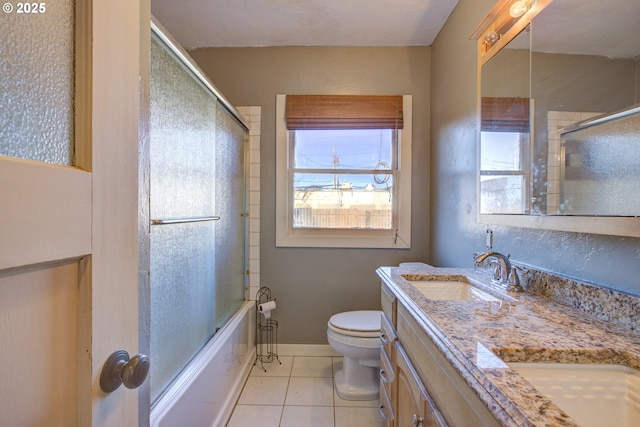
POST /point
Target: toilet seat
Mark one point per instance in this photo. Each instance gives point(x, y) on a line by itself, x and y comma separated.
point(362, 323)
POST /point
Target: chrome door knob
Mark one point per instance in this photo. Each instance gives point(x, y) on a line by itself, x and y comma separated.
point(120, 369)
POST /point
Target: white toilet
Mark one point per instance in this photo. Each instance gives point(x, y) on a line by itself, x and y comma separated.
point(356, 335)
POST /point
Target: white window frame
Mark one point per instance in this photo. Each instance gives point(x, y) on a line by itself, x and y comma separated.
point(287, 236)
point(523, 171)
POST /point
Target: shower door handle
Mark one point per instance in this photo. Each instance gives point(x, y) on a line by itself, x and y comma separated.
point(184, 220)
point(120, 369)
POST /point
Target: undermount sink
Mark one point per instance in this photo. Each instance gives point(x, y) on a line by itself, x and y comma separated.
point(592, 394)
point(448, 288)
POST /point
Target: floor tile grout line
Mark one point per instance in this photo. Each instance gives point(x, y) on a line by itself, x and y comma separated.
point(286, 393)
point(333, 367)
point(333, 386)
point(284, 403)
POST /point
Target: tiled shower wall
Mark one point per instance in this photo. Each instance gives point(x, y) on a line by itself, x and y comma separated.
point(556, 120)
point(252, 116)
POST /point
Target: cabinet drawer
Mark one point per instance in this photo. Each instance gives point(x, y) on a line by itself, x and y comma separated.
point(388, 337)
point(385, 409)
point(387, 373)
point(389, 304)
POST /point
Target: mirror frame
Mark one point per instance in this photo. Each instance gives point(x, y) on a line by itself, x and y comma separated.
point(497, 20)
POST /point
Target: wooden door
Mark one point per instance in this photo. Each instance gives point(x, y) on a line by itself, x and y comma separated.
point(69, 235)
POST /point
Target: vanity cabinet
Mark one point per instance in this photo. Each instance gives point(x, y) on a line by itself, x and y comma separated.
point(404, 401)
point(418, 386)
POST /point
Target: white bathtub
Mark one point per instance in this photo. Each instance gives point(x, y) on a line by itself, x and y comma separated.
point(205, 393)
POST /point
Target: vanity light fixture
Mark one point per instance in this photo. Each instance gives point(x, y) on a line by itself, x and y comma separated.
point(519, 8)
point(503, 23)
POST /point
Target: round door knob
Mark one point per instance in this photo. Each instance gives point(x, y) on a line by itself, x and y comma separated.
point(417, 421)
point(135, 371)
point(120, 369)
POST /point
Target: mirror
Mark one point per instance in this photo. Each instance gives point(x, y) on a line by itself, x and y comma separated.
point(583, 65)
point(575, 66)
point(505, 173)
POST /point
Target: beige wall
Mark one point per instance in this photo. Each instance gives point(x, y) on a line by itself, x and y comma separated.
point(637, 80)
point(610, 261)
point(312, 284)
point(455, 235)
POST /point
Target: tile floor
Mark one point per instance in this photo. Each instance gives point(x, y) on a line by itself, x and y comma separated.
point(300, 393)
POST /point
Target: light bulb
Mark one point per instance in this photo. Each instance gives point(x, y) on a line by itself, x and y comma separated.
point(491, 37)
point(518, 8)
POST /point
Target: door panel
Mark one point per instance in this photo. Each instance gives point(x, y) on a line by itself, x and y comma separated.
point(46, 212)
point(39, 320)
point(69, 235)
point(45, 225)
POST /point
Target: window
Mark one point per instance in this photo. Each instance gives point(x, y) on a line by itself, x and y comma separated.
point(504, 150)
point(503, 180)
point(343, 171)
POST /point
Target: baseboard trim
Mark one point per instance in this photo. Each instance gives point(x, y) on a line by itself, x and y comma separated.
point(306, 350)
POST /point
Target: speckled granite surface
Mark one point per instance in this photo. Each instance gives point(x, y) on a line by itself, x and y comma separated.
point(478, 337)
point(602, 303)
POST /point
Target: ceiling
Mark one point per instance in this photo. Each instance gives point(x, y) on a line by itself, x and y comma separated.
point(244, 23)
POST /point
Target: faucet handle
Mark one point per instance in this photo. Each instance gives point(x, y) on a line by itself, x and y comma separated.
point(497, 270)
point(514, 280)
point(521, 269)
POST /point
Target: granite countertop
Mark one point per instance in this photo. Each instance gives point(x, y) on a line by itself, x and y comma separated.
point(478, 337)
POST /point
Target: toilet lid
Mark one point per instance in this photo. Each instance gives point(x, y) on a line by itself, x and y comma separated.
point(361, 321)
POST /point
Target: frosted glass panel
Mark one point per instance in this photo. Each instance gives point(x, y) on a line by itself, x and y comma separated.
point(182, 141)
point(230, 205)
point(182, 296)
point(36, 88)
point(602, 169)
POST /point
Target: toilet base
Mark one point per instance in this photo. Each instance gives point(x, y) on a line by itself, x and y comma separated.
point(357, 382)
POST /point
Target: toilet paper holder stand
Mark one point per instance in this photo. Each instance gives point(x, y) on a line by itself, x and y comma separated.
point(266, 330)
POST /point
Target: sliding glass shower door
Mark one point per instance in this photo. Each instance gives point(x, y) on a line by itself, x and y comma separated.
point(231, 243)
point(197, 209)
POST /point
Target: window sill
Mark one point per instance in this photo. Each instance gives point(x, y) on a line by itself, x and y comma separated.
point(344, 240)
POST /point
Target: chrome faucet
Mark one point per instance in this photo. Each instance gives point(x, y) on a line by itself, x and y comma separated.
point(505, 275)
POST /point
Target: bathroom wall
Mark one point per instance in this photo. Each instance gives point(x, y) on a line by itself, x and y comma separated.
point(604, 260)
point(312, 284)
point(638, 80)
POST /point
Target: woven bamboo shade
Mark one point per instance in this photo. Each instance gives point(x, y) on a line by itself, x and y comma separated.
point(344, 112)
point(505, 114)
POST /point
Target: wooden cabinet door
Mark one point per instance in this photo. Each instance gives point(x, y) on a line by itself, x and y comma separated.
point(413, 406)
